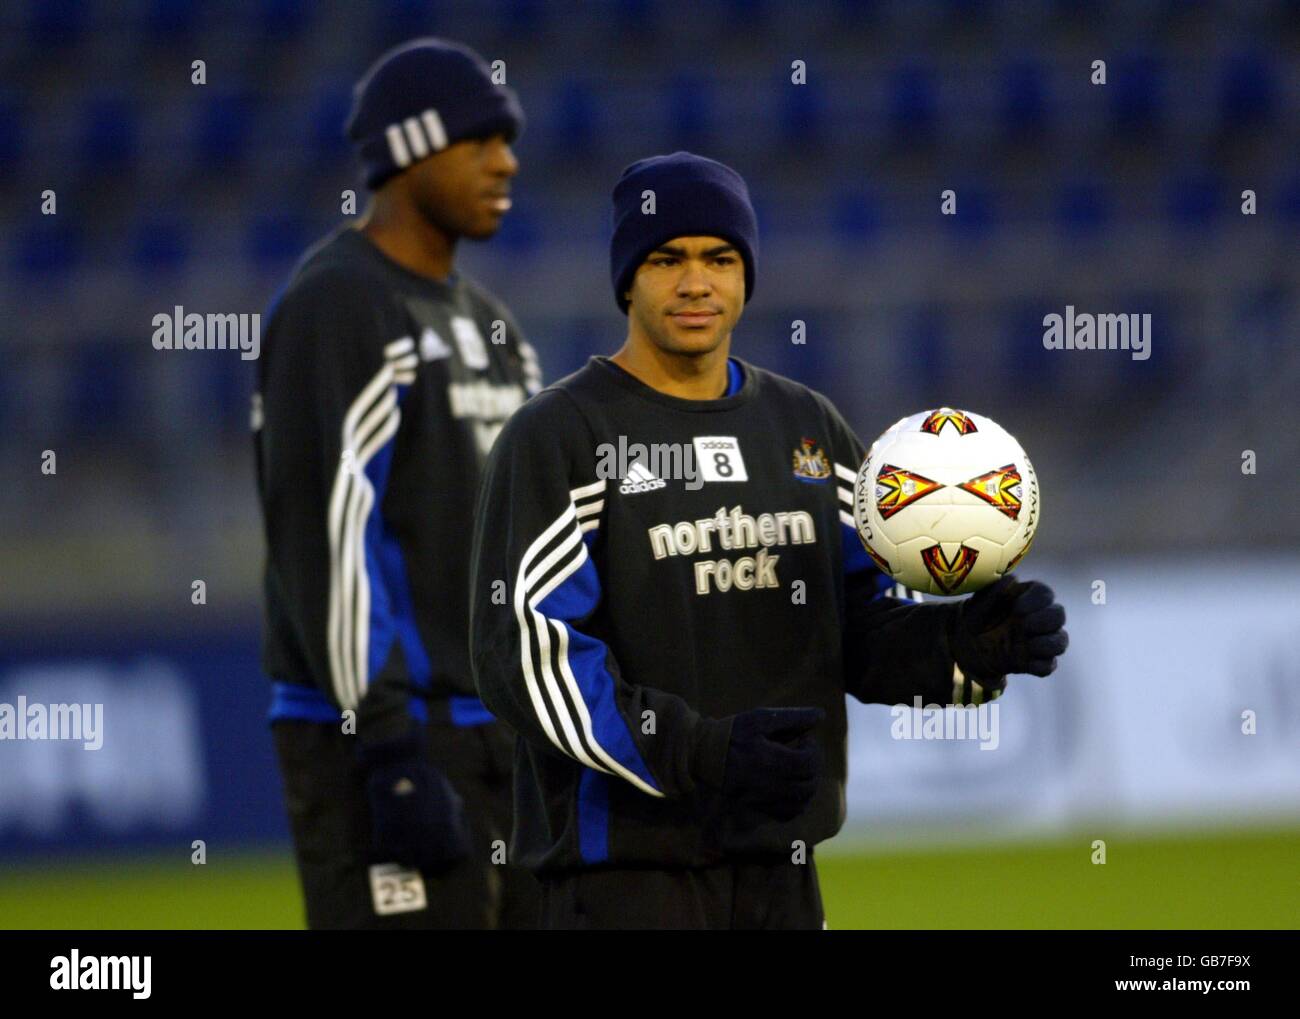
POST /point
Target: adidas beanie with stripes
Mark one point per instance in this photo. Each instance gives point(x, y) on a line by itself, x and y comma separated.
point(421, 97)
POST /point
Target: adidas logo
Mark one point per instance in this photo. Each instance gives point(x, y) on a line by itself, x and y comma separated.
point(432, 346)
point(640, 480)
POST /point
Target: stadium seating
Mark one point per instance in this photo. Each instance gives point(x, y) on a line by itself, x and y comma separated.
point(178, 189)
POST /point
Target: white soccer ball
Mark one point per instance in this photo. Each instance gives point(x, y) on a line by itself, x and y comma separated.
point(946, 502)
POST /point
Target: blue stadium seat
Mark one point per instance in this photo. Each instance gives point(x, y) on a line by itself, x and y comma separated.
point(47, 248)
point(1194, 200)
point(8, 396)
point(230, 388)
point(913, 104)
point(98, 397)
point(1023, 112)
point(1137, 93)
point(576, 119)
point(855, 15)
point(160, 244)
point(521, 230)
point(277, 238)
point(689, 104)
point(110, 133)
point(977, 212)
point(967, 10)
point(1248, 91)
point(1260, 313)
point(576, 339)
point(12, 130)
point(170, 21)
point(1030, 366)
point(631, 15)
point(397, 21)
point(753, 14)
point(855, 215)
point(1288, 200)
point(523, 18)
point(1082, 208)
point(926, 342)
point(327, 117)
point(803, 116)
point(222, 128)
point(283, 20)
point(56, 24)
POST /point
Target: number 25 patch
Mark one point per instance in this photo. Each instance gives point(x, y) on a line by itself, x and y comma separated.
point(719, 458)
point(396, 889)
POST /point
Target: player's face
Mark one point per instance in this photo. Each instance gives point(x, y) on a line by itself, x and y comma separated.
point(688, 294)
point(465, 188)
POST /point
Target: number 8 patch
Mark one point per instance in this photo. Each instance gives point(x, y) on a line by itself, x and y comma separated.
point(719, 459)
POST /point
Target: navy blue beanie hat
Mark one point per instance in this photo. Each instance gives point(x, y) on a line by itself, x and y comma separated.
point(421, 97)
point(694, 196)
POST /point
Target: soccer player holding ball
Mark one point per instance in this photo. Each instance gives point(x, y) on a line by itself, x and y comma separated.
point(384, 379)
point(674, 643)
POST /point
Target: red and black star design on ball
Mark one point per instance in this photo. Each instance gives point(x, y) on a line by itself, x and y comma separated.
point(896, 488)
point(947, 416)
point(999, 488)
point(949, 573)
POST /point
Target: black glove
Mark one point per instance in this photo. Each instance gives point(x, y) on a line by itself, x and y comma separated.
point(773, 762)
point(418, 819)
point(1009, 626)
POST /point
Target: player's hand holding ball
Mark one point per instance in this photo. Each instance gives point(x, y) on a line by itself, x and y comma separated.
point(1009, 626)
point(418, 818)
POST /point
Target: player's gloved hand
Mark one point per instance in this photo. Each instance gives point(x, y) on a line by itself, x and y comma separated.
point(418, 818)
point(773, 761)
point(1009, 626)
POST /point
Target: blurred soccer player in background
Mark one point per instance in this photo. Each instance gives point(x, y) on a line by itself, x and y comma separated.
point(384, 380)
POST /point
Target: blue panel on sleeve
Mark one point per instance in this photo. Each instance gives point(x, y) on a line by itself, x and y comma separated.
point(575, 598)
point(466, 711)
point(294, 702)
point(392, 608)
